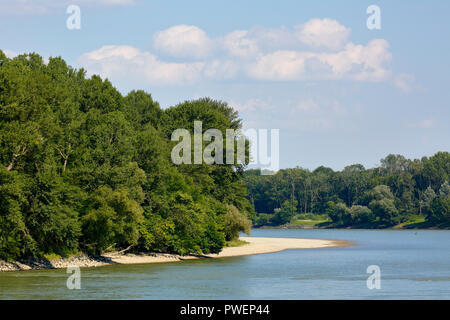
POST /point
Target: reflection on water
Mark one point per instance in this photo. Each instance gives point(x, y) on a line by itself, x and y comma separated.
point(414, 265)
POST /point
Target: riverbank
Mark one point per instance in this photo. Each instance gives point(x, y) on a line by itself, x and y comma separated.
point(414, 223)
point(256, 245)
point(357, 227)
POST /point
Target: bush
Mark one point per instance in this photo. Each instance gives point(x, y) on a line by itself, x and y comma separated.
point(385, 210)
point(262, 219)
point(286, 213)
point(340, 214)
point(234, 223)
point(361, 214)
point(383, 205)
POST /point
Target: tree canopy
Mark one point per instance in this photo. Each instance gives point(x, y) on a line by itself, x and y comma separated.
point(83, 167)
point(377, 197)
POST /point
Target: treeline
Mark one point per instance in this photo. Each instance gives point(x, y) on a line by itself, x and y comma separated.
point(84, 168)
point(379, 197)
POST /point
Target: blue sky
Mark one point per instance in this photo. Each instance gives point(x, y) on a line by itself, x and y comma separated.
point(339, 92)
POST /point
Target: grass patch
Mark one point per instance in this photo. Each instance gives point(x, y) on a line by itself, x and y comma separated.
point(307, 222)
point(65, 255)
point(412, 222)
point(52, 256)
point(310, 220)
point(236, 243)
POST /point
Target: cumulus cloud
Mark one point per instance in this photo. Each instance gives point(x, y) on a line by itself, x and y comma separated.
point(122, 61)
point(239, 44)
point(326, 33)
point(317, 50)
point(365, 63)
point(183, 41)
point(9, 53)
point(280, 66)
point(356, 62)
point(256, 41)
point(125, 61)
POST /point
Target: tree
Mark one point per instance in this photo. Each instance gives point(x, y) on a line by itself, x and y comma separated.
point(444, 190)
point(439, 211)
point(361, 214)
point(438, 207)
point(234, 223)
point(112, 220)
point(385, 210)
point(427, 199)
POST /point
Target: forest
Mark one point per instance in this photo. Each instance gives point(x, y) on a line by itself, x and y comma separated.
point(397, 190)
point(85, 169)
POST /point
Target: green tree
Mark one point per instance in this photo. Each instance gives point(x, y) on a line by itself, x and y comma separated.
point(286, 212)
point(234, 223)
point(383, 205)
point(111, 221)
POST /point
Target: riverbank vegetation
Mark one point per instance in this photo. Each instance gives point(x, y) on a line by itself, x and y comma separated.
point(400, 193)
point(84, 168)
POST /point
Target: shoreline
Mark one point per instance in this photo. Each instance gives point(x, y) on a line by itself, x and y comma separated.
point(357, 227)
point(256, 245)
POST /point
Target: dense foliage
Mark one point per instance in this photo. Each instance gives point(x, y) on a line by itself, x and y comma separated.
point(378, 197)
point(84, 168)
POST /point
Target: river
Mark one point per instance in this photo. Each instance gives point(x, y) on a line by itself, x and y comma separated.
point(413, 264)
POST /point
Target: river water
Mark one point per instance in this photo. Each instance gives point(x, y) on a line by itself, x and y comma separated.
point(413, 265)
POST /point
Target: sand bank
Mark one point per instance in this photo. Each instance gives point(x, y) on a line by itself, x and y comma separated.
point(256, 245)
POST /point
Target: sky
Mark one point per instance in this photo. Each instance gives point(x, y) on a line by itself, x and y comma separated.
point(339, 92)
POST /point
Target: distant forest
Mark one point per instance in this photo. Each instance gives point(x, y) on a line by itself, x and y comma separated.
point(379, 197)
point(83, 168)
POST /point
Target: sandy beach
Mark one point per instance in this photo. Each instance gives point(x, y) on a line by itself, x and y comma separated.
point(256, 245)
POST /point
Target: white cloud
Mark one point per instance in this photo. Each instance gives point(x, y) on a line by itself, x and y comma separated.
point(117, 62)
point(261, 54)
point(124, 61)
point(239, 44)
point(183, 41)
point(279, 66)
point(258, 40)
point(326, 33)
point(356, 62)
point(9, 53)
point(364, 63)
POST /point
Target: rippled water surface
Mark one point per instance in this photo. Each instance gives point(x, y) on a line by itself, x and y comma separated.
point(413, 264)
